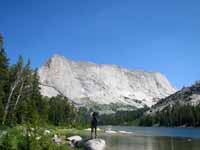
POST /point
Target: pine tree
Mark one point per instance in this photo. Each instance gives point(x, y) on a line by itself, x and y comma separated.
point(4, 67)
point(40, 103)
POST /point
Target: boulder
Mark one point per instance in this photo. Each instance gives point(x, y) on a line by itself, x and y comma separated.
point(75, 141)
point(95, 144)
point(74, 138)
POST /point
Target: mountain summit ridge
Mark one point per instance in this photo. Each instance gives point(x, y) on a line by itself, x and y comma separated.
point(87, 82)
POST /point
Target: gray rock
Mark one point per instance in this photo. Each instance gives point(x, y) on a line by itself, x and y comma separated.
point(85, 83)
point(75, 141)
point(95, 144)
point(56, 139)
point(75, 138)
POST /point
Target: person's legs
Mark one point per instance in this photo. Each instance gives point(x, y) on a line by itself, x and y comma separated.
point(95, 132)
point(92, 129)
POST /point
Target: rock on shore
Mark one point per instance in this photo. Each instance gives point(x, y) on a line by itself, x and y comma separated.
point(92, 144)
point(95, 144)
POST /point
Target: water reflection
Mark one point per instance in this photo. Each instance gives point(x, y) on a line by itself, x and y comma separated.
point(131, 142)
point(150, 138)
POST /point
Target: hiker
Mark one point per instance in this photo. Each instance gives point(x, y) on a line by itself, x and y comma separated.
point(94, 125)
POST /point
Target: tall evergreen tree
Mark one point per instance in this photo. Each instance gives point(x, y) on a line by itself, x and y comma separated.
point(40, 103)
point(4, 67)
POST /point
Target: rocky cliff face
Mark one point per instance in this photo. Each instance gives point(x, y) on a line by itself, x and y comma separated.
point(86, 83)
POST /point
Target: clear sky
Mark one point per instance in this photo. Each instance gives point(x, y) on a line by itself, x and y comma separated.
point(151, 35)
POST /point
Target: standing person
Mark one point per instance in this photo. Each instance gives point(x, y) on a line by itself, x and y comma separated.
point(94, 124)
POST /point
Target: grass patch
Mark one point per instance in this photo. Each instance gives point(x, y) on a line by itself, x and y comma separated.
point(16, 138)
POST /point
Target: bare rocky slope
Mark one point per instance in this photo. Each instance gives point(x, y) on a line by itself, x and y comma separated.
point(187, 95)
point(86, 84)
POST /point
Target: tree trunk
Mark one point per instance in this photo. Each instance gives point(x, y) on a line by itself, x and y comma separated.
point(8, 103)
point(19, 95)
point(10, 96)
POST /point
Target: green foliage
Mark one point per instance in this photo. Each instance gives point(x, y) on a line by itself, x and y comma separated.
point(62, 112)
point(9, 138)
point(28, 138)
point(36, 140)
point(6, 143)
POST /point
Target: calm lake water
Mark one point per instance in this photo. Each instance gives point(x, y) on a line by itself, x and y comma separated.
point(147, 138)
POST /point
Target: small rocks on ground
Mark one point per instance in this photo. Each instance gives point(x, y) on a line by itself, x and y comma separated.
point(47, 132)
point(56, 139)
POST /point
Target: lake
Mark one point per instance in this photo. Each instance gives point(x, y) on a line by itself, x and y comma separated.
point(150, 138)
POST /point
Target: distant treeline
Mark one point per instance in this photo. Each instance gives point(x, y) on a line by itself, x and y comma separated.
point(122, 117)
point(174, 116)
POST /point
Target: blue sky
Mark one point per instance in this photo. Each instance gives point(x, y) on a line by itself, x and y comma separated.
point(151, 35)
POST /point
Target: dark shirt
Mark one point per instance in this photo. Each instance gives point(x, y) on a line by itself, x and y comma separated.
point(94, 121)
